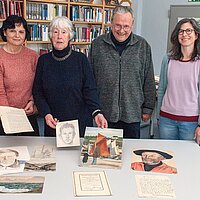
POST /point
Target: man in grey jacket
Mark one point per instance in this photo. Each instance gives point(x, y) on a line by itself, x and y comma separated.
point(123, 70)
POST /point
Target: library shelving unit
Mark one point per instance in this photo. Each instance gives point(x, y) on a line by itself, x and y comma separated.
point(90, 18)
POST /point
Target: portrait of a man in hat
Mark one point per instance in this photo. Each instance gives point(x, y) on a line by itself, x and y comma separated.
point(153, 161)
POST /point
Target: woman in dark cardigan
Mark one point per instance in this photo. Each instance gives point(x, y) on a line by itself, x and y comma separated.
point(64, 87)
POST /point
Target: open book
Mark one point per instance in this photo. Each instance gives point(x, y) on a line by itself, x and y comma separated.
point(14, 120)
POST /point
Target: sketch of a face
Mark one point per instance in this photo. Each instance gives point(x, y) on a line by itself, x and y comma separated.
point(67, 133)
point(152, 158)
point(8, 157)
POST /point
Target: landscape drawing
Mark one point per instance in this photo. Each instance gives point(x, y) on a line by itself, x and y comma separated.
point(43, 158)
point(21, 184)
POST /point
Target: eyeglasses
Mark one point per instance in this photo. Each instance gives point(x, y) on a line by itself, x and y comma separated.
point(118, 27)
point(188, 31)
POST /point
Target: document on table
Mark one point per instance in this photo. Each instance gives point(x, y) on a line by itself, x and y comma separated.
point(14, 120)
point(91, 184)
point(154, 186)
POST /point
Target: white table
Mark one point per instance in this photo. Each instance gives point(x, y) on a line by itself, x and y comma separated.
point(58, 184)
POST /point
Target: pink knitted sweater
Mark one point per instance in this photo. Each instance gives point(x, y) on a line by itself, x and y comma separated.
point(17, 72)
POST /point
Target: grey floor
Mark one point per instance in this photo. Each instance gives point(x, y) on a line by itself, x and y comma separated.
point(145, 130)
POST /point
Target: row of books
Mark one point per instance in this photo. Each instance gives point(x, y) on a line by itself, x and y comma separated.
point(39, 32)
point(86, 34)
point(85, 13)
point(42, 11)
point(107, 16)
point(10, 8)
point(82, 48)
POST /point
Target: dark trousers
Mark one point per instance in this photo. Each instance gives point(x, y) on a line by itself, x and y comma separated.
point(33, 120)
point(130, 130)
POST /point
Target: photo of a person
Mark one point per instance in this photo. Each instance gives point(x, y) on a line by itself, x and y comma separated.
point(152, 161)
point(67, 133)
point(8, 158)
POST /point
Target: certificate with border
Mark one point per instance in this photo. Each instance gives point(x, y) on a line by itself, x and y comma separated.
point(91, 184)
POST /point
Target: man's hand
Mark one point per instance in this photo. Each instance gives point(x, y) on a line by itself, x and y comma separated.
point(146, 117)
point(50, 121)
point(101, 121)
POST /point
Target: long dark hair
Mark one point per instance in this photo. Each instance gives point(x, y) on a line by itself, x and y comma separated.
point(175, 51)
point(10, 23)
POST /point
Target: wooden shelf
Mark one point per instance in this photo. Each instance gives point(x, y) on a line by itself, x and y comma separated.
point(38, 42)
point(37, 21)
point(48, 1)
point(97, 10)
point(80, 43)
point(90, 23)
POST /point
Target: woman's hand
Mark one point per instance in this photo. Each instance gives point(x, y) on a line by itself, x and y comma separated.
point(197, 135)
point(101, 121)
point(29, 109)
point(50, 121)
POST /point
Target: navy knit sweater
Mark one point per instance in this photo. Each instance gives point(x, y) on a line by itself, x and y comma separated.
point(66, 89)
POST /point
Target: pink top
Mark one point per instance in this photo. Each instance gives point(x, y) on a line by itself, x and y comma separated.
point(17, 72)
point(181, 96)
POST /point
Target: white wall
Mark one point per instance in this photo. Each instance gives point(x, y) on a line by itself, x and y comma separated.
point(152, 21)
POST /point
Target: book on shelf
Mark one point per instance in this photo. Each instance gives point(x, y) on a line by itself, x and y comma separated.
point(82, 48)
point(86, 34)
point(85, 14)
point(10, 8)
point(43, 51)
point(38, 32)
point(2, 10)
point(44, 11)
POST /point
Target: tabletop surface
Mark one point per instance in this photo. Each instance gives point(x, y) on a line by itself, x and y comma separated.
point(59, 184)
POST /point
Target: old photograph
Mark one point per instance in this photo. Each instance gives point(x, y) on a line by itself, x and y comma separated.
point(12, 159)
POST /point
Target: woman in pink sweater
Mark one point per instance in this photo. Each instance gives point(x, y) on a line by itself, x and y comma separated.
point(17, 69)
point(178, 92)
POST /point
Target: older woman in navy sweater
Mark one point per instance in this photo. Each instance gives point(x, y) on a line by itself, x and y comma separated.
point(64, 86)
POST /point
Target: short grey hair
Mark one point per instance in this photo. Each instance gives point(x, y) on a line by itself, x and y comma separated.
point(61, 22)
point(67, 125)
point(121, 10)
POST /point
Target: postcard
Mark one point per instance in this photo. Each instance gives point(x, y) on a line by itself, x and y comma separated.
point(149, 186)
point(12, 159)
point(153, 160)
point(21, 184)
point(67, 134)
point(91, 184)
point(14, 120)
point(43, 158)
point(102, 148)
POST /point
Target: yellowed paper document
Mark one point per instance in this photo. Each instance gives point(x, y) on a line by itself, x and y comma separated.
point(14, 120)
point(91, 184)
point(154, 186)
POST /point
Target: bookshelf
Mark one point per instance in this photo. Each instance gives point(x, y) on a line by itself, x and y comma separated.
point(90, 18)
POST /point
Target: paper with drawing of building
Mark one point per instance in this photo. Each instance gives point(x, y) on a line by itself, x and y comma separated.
point(102, 148)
